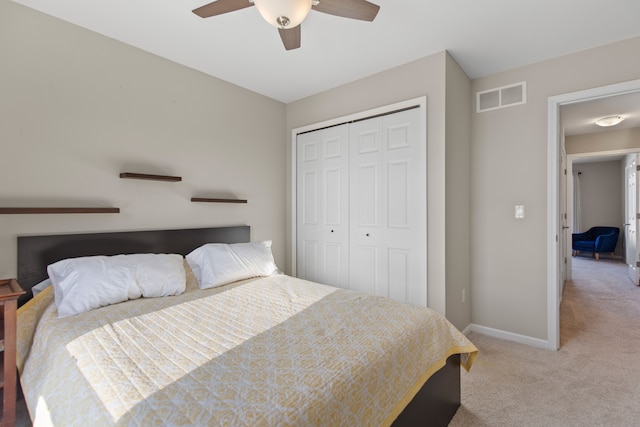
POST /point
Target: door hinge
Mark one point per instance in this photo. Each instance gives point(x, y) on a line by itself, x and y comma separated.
point(565, 216)
point(638, 216)
point(638, 167)
point(565, 171)
point(565, 260)
point(637, 263)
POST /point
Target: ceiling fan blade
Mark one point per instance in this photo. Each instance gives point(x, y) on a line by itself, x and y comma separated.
point(290, 37)
point(221, 6)
point(354, 9)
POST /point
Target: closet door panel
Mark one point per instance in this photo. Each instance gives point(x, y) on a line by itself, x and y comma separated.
point(398, 274)
point(367, 271)
point(335, 217)
point(332, 201)
point(310, 198)
point(366, 137)
point(310, 258)
point(404, 234)
point(308, 244)
point(398, 194)
point(322, 217)
point(388, 206)
point(365, 195)
point(365, 266)
point(335, 263)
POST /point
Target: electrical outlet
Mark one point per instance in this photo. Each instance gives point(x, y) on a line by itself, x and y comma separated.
point(464, 295)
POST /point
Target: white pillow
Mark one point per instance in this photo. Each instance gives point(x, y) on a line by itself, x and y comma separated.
point(216, 264)
point(36, 289)
point(159, 275)
point(86, 283)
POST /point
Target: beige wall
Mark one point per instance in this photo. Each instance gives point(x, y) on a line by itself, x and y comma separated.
point(77, 108)
point(623, 139)
point(509, 167)
point(430, 76)
point(458, 194)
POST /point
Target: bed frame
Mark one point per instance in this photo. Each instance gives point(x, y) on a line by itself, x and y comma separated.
point(434, 405)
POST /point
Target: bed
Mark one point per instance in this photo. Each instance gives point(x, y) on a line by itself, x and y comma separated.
point(269, 350)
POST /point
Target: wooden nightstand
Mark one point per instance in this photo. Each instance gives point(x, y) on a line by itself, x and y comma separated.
point(10, 290)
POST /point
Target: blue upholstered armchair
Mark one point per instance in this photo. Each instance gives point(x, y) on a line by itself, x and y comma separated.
point(596, 240)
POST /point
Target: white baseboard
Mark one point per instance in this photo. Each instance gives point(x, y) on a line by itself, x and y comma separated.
point(509, 336)
point(466, 330)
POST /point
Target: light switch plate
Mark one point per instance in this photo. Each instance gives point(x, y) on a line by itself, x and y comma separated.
point(519, 211)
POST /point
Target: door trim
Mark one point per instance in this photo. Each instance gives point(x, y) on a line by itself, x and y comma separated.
point(553, 183)
point(420, 102)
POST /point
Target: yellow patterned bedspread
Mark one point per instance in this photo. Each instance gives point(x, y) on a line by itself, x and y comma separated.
point(263, 352)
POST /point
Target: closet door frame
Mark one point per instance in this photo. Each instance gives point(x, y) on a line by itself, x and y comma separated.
point(420, 102)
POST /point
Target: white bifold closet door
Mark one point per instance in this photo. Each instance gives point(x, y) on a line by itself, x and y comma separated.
point(388, 209)
point(361, 206)
point(323, 206)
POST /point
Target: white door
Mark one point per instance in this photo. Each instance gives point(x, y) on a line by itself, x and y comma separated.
point(388, 235)
point(631, 224)
point(366, 206)
point(565, 235)
point(323, 206)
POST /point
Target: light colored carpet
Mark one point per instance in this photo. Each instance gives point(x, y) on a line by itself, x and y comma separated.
point(593, 380)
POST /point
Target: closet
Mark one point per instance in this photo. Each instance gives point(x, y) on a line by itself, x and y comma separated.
point(361, 205)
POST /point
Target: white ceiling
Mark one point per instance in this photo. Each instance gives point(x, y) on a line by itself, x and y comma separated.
point(579, 118)
point(484, 37)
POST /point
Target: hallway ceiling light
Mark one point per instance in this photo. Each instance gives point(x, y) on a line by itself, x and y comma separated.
point(609, 121)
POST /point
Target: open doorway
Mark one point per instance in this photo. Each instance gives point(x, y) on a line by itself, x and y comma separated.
point(598, 207)
point(601, 194)
point(600, 162)
point(559, 259)
point(598, 200)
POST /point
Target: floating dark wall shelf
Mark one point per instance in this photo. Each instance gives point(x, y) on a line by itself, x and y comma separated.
point(204, 199)
point(57, 210)
point(168, 178)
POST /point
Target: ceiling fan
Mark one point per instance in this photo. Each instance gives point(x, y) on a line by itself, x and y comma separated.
point(287, 15)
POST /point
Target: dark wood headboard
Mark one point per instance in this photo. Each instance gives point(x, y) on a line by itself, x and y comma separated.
point(35, 253)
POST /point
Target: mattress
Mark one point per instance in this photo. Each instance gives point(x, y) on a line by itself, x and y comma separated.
point(268, 351)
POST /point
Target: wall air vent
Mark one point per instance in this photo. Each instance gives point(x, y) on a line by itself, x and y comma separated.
point(501, 97)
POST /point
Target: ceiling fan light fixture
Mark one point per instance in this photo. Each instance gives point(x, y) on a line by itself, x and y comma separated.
point(609, 121)
point(283, 13)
